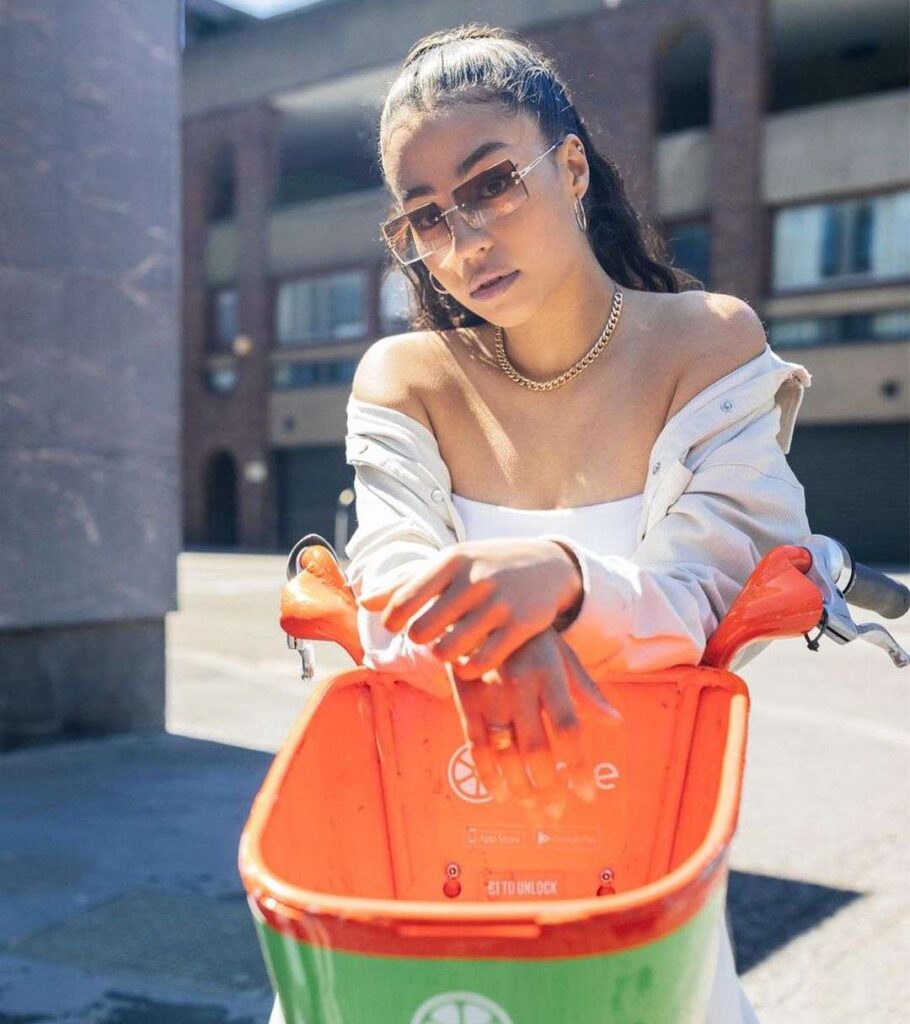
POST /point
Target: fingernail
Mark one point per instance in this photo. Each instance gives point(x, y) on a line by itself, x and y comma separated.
point(555, 809)
point(586, 791)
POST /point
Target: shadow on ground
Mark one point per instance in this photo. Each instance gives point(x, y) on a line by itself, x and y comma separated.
point(766, 913)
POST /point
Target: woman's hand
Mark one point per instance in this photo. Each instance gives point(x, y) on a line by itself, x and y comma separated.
point(491, 597)
point(502, 717)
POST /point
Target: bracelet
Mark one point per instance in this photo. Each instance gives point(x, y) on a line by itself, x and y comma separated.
point(567, 617)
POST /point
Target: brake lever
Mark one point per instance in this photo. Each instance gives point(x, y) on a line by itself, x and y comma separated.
point(829, 565)
point(307, 653)
point(873, 633)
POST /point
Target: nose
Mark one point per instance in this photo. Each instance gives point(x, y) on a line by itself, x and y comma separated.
point(465, 240)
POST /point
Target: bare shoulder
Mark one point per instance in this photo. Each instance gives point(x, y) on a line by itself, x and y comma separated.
point(393, 372)
point(718, 334)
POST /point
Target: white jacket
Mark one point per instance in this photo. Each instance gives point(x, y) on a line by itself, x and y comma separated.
point(720, 494)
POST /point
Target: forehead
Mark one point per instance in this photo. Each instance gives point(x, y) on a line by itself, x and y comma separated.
point(428, 149)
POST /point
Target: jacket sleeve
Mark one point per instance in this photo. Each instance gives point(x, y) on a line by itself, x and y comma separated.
point(392, 542)
point(660, 606)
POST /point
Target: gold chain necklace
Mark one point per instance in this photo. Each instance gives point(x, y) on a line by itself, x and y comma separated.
point(582, 364)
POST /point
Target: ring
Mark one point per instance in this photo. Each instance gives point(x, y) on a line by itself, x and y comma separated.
point(501, 736)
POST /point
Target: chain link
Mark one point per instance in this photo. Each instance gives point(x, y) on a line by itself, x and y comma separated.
point(573, 371)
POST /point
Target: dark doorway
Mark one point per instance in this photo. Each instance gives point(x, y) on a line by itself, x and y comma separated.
point(309, 480)
point(221, 500)
point(857, 481)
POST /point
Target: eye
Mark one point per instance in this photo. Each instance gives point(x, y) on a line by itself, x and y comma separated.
point(496, 185)
point(425, 217)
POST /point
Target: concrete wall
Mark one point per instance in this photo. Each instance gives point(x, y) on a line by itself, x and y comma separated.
point(283, 54)
point(857, 145)
point(89, 363)
point(837, 148)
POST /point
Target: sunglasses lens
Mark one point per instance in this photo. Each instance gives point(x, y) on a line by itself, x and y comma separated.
point(487, 196)
point(417, 234)
point(491, 194)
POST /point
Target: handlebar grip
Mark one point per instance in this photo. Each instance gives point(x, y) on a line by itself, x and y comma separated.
point(873, 590)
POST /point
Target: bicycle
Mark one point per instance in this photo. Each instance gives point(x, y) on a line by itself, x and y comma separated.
point(387, 886)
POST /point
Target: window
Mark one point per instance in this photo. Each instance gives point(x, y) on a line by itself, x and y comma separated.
point(222, 186)
point(320, 309)
point(689, 249)
point(864, 239)
point(287, 376)
point(886, 325)
point(224, 318)
point(394, 298)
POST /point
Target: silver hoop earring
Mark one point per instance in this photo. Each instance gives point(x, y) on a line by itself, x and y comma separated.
point(441, 291)
point(580, 216)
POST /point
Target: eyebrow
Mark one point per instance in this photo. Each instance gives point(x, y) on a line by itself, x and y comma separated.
point(462, 168)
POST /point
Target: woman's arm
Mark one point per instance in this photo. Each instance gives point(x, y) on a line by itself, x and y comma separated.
point(387, 547)
point(397, 532)
point(738, 500)
point(660, 606)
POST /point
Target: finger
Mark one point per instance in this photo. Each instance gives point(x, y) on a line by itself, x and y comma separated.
point(474, 726)
point(512, 766)
point(496, 649)
point(585, 685)
point(414, 594)
point(557, 702)
point(452, 609)
point(529, 767)
point(377, 599)
point(497, 704)
point(534, 745)
point(494, 701)
point(471, 630)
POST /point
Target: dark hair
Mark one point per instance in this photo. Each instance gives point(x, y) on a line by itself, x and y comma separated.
point(480, 64)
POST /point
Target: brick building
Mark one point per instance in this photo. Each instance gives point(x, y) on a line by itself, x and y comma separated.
point(766, 139)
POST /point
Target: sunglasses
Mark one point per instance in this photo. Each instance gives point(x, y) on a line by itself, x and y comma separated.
point(480, 200)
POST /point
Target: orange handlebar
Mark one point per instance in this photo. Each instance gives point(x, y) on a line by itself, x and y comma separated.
point(777, 601)
point(318, 604)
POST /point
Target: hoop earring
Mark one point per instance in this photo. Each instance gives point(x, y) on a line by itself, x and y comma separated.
point(441, 291)
point(580, 216)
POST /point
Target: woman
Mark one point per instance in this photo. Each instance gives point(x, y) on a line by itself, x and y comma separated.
point(578, 467)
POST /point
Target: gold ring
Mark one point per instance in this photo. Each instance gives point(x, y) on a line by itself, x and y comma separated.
point(501, 736)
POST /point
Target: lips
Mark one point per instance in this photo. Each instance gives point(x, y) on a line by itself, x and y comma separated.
point(488, 278)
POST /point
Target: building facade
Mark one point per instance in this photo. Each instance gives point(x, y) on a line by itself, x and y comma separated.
point(765, 139)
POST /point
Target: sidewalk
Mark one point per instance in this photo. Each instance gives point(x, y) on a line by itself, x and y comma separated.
point(120, 901)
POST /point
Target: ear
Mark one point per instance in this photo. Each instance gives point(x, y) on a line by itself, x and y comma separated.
point(577, 164)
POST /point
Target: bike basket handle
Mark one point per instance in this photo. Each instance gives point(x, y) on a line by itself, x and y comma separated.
point(873, 590)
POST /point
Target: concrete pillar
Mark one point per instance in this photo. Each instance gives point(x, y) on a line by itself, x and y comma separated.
point(89, 364)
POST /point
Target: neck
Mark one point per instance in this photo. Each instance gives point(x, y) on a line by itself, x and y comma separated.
point(562, 331)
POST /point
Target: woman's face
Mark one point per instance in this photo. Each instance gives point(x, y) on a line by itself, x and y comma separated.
point(540, 239)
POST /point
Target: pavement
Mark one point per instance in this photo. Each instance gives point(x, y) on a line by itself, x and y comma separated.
point(120, 901)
